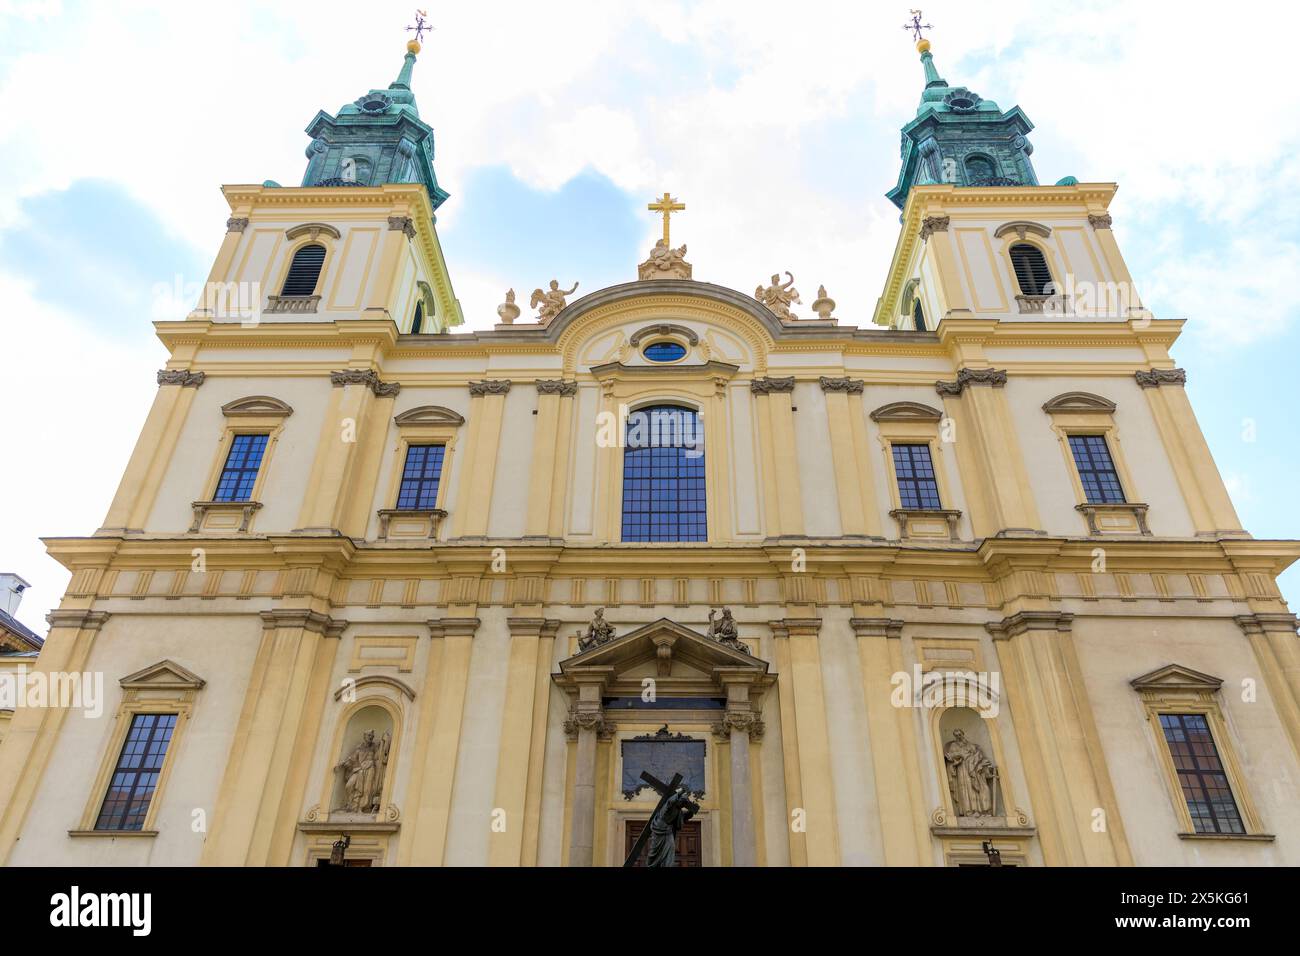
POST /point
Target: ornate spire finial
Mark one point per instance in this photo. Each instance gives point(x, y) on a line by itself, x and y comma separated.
point(419, 28)
point(916, 26)
point(667, 205)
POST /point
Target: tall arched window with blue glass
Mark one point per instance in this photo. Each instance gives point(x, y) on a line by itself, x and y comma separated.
point(663, 475)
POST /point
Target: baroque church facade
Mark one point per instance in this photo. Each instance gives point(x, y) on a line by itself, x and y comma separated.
point(963, 586)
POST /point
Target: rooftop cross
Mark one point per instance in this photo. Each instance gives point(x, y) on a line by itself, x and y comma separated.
point(667, 205)
point(420, 25)
point(916, 26)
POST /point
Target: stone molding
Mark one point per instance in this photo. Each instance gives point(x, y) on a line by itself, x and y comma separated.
point(532, 626)
point(993, 377)
point(367, 377)
point(587, 720)
point(664, 328)
point(452, 626)
point(291, 304)
point(906, 412)
point(1023, 621)
point(768, 386)
point(77, 617)
point(1021, 228)
point(313, 230)
point(1154, 378)
point(1263, 623)
point(307, 620)
point(181, 377)
point(877, 626)
point(851, 386)
point(556, 386)
point(498, 386)
point(1136, 508)
point(203, 508)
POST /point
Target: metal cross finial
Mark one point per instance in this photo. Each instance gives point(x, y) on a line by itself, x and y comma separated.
point(420, 25)
point(916, 26)
point(667, 205)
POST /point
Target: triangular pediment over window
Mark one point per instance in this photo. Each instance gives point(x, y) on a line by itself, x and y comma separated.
point(165, 675)
point(680, 660)
point(1176, 677)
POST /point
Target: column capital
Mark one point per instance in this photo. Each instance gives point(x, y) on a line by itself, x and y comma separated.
point(593, 720)
point(932, 224)
point(490, 387)
point(367, 377)
point(1023, 621)
point(556, 386)
point(1263, 623)
point(532, 626)
point(993, 377)
point(768, 386)
point(181, 377)
point(876, 626)
point(452, 626)
point(1154, 378)
point(740, 721)
point(851, 386)
point(236, 224)
point(307, 620)
point(77, 617)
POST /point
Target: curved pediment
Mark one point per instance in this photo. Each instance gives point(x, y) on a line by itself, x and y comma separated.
point(906, 412)
point(257, 405)
point(1078, 402)
point(429, 415)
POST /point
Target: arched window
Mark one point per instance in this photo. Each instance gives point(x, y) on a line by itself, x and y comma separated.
point(418, 321)
point(304, 271)
point(918, 315)
point(1031, 269)
point(978, 169)
point(663, 476)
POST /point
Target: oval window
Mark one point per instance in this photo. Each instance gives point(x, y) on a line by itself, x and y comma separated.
point(664, 352)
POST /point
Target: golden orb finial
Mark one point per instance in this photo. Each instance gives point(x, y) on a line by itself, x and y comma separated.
point(922, 46)
point(412, 46)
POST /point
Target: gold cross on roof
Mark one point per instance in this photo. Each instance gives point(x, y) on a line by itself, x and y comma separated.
point(667, 205)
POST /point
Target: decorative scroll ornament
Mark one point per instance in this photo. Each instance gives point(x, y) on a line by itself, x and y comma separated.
point(852, 386)
point(182, 377)
point(778, 297)
point(549, 303)
point(1161, 376)
point(993, 377)
point(724, 630)
point(490, 386)
point(665, 262)
point(367, 377)
point(766, 386)
point(599, 632)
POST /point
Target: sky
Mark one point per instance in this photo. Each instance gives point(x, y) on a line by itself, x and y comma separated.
point(556, 123)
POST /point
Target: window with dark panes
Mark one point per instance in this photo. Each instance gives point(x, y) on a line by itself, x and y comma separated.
point(663, 476)
point(239, 474)
point(1096, 469)
point(135, 778)
point(917, 486)
point(420, 477)
point(1200, 774)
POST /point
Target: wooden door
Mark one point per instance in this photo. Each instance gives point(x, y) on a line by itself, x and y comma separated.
point(688, 843)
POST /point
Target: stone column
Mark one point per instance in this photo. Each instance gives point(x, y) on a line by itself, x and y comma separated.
point(585, 724)
point(1058, 741)
point(740, 724)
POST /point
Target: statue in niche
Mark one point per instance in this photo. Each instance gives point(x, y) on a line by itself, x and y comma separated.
point(723, 630)
point(552, 301)
point(665, 262)
point(778, 297)
point(972, 778)
point(363, 773)
point(599, 631)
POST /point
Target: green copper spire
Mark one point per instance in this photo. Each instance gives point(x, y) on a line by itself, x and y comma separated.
point(377, 138)
point(959, 137)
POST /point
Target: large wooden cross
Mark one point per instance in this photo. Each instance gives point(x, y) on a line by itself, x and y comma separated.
point(665, 790)
point(667, 205)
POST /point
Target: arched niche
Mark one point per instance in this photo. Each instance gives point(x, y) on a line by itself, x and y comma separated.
point(363, 760)
point(970, 767)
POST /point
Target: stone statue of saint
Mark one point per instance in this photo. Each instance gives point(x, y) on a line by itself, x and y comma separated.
point(599, 631)
point(665, 262)
point(972, 778)
point(552, 301)
point(778, 297)
point(666, 823)
point(363, 773)
point(724, 630)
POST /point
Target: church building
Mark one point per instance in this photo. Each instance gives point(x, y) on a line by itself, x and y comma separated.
point(958, 583)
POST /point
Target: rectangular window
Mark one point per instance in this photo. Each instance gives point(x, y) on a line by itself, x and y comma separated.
point(1096, 470)
point(917, 487)
point(423, 469)
point(240, 471)
point(1200, 774)
point(136, 775)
